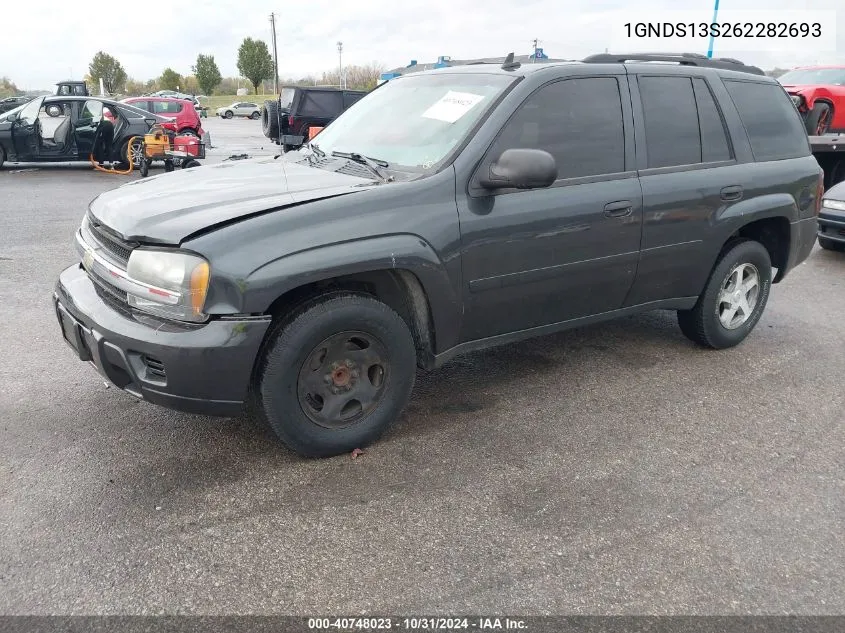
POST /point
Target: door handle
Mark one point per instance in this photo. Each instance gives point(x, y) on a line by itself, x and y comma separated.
point(618, 209)
point(732, 193)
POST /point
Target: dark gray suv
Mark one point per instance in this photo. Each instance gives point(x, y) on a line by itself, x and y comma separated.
point(446, 211)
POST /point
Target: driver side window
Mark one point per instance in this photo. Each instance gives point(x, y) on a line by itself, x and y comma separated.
point(578, 121)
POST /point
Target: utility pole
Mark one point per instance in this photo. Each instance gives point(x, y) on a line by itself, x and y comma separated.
point(534, 57)
point(275, 56)
point(340, 64)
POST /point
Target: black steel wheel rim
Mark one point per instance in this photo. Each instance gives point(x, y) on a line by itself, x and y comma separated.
point(343, 379)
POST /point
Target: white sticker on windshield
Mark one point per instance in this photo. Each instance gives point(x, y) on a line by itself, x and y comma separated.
point(452, 106)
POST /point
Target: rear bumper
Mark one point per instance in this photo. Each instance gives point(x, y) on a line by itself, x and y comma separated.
point(802, 238)
point(199, 369)
point(832, 225)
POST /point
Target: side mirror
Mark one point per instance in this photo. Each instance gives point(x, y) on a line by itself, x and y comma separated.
point(521, 169)
point(12, 117)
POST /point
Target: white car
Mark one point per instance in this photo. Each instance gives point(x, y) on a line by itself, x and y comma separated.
point(240, 108)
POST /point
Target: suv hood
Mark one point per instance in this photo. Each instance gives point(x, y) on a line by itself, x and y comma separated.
point(169, 208)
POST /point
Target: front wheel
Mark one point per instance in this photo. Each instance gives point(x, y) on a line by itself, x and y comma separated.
point(229, 114)
point(733, 299)
point(335, 375)
point(819, 119)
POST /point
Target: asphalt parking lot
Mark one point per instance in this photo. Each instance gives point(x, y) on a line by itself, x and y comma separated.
point(612, 469)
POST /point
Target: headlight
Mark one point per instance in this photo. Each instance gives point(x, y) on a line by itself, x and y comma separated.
point(838, 205)
point(176, 283)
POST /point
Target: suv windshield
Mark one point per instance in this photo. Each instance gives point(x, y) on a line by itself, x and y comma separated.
point(414, 121)
point(829, 76)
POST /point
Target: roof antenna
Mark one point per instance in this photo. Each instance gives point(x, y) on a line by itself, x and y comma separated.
point(509, 64)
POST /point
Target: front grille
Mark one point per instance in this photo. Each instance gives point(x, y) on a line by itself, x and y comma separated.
point(154, 367)
point(118, 249)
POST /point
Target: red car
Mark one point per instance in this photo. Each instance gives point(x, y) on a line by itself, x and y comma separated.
point(819, 94)
point(180, 111)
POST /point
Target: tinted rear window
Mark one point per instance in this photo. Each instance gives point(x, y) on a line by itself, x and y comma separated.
point(774, 126)
point(671, 121)
point(321, 104)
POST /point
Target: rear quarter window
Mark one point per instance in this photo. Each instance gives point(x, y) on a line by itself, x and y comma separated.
point(774, 127)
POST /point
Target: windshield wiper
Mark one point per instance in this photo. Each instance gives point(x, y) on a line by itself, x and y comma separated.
point(373, 163)
point(316, 149)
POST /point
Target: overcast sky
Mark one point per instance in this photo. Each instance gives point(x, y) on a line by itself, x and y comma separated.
point(57, 39)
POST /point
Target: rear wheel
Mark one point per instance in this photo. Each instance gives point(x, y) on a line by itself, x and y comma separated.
point(818, 119)
point(190, 163)
point(255, 115)
point(825, 242)
point(335, 375)
point(2, 156)
point(733, 299)
point(270, 119)
point(228, 114)
point(132, 150)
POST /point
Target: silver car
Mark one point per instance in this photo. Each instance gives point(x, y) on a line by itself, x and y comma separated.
point(240, 108)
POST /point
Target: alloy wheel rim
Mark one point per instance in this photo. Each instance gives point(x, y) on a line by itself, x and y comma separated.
point(137, 153)
point(738, 296)
point(343, 379)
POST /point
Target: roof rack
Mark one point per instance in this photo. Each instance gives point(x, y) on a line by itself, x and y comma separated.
point(684, 59)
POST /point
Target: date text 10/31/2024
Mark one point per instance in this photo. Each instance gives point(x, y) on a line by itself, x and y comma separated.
point(418, 624)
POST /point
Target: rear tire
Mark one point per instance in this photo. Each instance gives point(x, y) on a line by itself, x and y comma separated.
point(826, 243)
point(137, 153)
point(335, 375)
point(721, 319)
point(2, 156)
point(255, 115)
point(819, 119)
point(270, 119)
point(190, 163)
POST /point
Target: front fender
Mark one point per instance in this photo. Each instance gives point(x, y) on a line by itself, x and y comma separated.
point(811, 95)
point(391, 252)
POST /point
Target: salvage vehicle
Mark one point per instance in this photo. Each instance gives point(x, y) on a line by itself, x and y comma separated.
point(819, 94)
point(180, 111)
point(80, 127)
point(9, 103)
point(448, 211)
point(72, 88)
point(832, 219)
point(299, 108)
point(239, 108)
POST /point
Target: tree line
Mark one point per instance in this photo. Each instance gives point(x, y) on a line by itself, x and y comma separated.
point(254, 63)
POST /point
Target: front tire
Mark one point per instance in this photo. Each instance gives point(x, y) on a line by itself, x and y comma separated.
point(336, 374)
point(819, 119)
point(826, 243)
point(229, 114)
point(733, 299)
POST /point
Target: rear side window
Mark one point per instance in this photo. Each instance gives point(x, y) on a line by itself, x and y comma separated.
point(714, 139)
point(321, 104)
point(166, 107)
point(578, 121)
point(671, 121)
point(773, 125)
